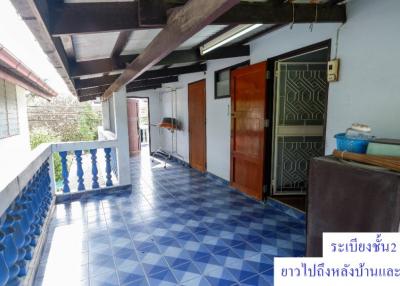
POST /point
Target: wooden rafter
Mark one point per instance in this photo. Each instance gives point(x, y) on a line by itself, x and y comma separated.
point(176, 57)
point(150, 82)
point(109, 79)
point(134, 85)
point(144, 88)
point(35, 14)
point(68, 47)
point(74, 18)
point(120, 44)
point(152, 13)
point(181, 25)
point(96, 91)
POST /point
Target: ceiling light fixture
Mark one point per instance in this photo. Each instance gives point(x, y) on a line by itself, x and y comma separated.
point(227, 37)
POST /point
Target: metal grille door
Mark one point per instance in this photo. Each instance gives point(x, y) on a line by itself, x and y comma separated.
point(300, 97)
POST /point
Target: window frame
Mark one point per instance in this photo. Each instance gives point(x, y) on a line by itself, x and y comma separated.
point(5, 85)
point(230, 69)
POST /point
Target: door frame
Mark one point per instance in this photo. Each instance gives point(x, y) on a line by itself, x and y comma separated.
point(205, 123)
point(271, 103)
point(148, 114)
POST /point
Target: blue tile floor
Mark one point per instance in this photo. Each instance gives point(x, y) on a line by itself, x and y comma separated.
point(178, 227)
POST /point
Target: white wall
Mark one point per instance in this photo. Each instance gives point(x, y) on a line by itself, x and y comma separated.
point(155, 114)
point(181, 148)
point(121, 130)
point(218, 117)
point(368, 90)
point(15, 147)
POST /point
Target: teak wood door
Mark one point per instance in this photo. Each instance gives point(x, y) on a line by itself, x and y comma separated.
point(248, 95)
point(133, 126)
point(197, 125)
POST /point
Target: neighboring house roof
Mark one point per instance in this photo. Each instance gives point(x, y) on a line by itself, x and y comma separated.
point(13, 70)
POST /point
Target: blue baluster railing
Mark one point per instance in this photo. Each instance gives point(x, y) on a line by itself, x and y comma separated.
point(95, 172)
point(79, 170)
point(107, 152)
point(64, 165)
point(114, 167)
point(98, 179)
point(22, 223)
point(29, 194)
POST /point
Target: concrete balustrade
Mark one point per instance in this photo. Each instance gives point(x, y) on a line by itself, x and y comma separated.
point(28, 196)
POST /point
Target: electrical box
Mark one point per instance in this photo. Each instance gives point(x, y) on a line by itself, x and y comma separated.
point(333, 70)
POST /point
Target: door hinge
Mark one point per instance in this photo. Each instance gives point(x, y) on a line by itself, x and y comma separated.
point(268, 75)
point(266, 123)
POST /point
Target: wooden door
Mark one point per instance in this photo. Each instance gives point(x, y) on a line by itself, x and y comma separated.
point(133, 126)
point(197, 125)
point(248, 95)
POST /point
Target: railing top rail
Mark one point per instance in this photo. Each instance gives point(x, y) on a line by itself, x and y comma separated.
point(83, 145)
point(16, 178)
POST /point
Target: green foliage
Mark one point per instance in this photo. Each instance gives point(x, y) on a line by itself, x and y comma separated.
point(82, 129)
point(43, 136)
point(88, 122)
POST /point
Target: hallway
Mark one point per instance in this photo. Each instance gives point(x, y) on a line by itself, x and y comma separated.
point(177, 227)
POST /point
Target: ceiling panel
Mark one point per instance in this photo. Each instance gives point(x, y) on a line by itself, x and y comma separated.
point(251, 33)
point(139, 40)
point(201, 36)
point(94, 46)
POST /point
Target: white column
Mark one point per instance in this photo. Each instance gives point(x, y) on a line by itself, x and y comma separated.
point(121, 130)
point(105, 108)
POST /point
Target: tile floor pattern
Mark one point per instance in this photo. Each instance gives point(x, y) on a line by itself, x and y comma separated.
point(178, 227)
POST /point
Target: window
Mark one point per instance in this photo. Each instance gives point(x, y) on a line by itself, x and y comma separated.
point(9, 125)
point(222, 80)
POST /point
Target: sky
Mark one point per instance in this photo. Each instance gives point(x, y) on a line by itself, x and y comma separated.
point(18, 39)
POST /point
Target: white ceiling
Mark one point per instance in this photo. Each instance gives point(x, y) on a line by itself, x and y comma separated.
point(204, 34)
point(139, 40)
point(100, 45)
point(94, 46)
point(251, 33)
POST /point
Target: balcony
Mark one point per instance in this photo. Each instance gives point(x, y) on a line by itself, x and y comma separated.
point(174, 226)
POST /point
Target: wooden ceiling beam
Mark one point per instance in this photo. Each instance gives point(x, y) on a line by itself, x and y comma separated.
point(89, 97)
point(68, 47)
point(144, 88)
point(76, 18)
point(109, 79)
point(150, 82)
point(181, 25)
point(152, 13)
point(260, 12)
point(92, 91)
point(120, 44)
point(134, 85)
point(95, 81)
point(176, 57)
point(35, 14)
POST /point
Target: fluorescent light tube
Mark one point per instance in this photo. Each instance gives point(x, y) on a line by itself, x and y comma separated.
point(227, 37)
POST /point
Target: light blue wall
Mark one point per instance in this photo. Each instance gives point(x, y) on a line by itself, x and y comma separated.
point(369, 45)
